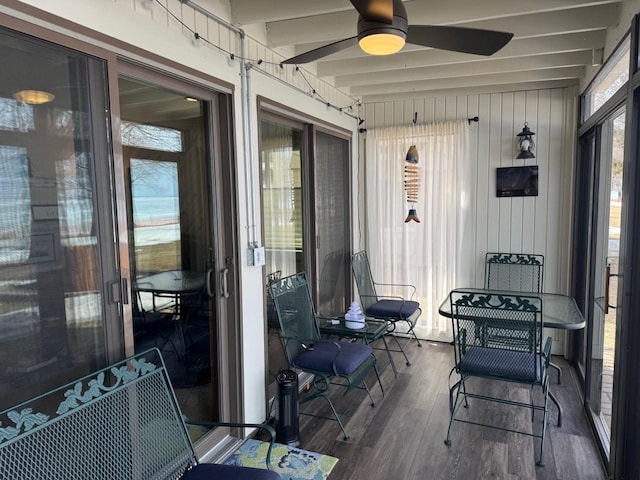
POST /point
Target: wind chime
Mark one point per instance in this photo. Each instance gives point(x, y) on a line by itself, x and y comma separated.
point(412, 179)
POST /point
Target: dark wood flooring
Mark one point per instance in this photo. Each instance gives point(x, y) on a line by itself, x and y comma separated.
point(402, 437)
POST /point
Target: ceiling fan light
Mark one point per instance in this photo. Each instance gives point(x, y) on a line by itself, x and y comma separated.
point(381, 43)
point(33, 97)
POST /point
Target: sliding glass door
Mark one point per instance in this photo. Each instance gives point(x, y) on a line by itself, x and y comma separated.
point(601, 198)
point(332, 223)
point(179, 204)
point(60, 288)
point(282, 157)
point(603, 274)
point(305, 175)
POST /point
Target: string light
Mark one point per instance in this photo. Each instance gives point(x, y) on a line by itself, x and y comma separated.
point(198, 40)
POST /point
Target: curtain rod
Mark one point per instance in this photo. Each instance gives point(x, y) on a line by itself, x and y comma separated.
point(469, 120)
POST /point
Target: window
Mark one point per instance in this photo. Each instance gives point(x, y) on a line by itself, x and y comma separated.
point(613, 75)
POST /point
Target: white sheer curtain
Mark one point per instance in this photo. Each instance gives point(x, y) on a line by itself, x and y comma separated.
point(424, 254)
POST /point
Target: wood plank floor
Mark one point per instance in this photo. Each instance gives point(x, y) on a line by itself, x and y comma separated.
point(402, 437)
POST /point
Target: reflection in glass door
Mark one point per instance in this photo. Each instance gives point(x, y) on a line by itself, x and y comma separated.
point(282, 200)
point(605, 268)
point(282, 197)
point(306, 216)
point(170, 238)
point(56, 241)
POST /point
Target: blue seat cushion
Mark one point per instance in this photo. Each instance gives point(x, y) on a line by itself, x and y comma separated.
point(215, 471)
point(323, 353)
point(393, 309)
point(511, 365)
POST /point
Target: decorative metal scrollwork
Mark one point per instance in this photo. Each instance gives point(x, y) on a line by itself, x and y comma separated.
point(25, 419)
point(495, 301)
point(515, 259)
point(75, 396)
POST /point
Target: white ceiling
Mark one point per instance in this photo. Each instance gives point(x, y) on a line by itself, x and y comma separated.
point(554, 42)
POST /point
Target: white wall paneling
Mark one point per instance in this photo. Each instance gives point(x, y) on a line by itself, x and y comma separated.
point(540, 224)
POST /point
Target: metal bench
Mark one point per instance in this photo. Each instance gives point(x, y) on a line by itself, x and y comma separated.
point(120, 423)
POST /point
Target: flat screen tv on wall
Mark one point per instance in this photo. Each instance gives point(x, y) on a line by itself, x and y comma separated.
point(517, 181)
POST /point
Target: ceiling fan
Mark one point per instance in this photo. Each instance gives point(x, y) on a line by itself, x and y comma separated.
point(383, 29)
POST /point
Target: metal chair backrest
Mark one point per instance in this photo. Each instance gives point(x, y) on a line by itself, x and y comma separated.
point(489, 325)
point(121, 423)
point(514, 271)
point(364, 279)
point(296, 314)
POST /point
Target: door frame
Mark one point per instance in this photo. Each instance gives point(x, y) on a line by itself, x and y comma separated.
point(309, 125)
point(625, 443)
point(113, 271)
point(624, 448)
point(222, 188)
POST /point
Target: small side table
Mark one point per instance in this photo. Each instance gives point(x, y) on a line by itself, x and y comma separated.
point(372, 331)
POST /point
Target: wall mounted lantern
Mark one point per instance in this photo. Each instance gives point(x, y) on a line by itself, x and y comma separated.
point(525, 143)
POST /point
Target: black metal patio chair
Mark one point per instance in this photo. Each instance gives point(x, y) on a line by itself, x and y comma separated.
point(498, 337)
point(326, 360)
point(522, 272)
point(390, 309)
point(514, 271)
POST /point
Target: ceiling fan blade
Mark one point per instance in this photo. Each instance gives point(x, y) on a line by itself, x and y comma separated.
point(317, 53)
point(458, 39)
point(375, 10)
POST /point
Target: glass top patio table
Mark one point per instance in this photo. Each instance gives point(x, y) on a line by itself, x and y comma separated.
point(558, 311)
point(373, 329)
point(171, 282)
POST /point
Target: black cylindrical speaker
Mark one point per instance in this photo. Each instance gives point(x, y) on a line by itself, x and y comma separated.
point(287, 425)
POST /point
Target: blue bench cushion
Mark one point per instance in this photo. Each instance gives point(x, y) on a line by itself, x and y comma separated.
point(215, 471)
point(520, 366)
point(322, 355)
point(391, 309)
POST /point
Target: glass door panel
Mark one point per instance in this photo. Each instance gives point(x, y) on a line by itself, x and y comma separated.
point(282, 180)
point(282, 197)
point(170, 238)
point(332, 222)
point(56, 249)
point(582, 240)
point(605, 267)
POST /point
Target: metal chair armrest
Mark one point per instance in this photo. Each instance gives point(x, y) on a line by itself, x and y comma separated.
point(392, 297)
point(306, 344)
point(333, 363)
point(546, 352)
point(378, 297)
point(412, 287)
point(263, 426)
